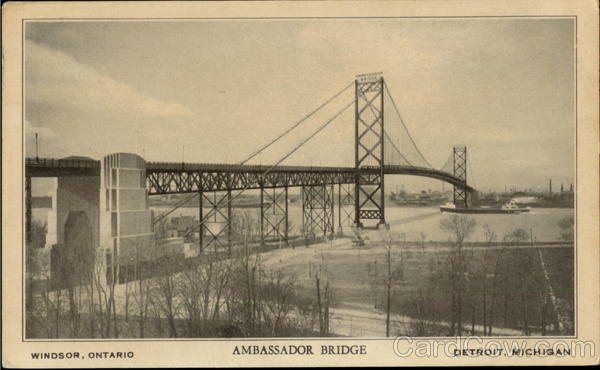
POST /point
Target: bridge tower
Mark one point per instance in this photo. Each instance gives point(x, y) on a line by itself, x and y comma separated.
point(461, 198)
point(369, 149)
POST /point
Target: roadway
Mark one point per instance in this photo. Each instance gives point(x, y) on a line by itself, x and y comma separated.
point(170, 178)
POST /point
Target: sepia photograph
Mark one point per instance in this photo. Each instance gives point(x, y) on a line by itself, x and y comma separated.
point(242, 178)
point(357, 177)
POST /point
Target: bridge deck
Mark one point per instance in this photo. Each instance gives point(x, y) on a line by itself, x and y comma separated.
point(169, 178)
point(51, 167)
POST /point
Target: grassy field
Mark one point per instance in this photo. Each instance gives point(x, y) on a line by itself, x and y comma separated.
point(421, 288)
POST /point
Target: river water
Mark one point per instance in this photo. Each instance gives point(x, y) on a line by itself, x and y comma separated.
point(416, 220)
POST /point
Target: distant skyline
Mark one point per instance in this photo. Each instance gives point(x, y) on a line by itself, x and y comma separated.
point(214, 91)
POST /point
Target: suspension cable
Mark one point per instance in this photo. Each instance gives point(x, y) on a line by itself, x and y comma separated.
point(471, 171)
point(310, 137)
point(390, 139)
point(271, 167)
point(397, 150)
point(447, 163)
point(260, 150)
point(288, 130)
point(404, 125)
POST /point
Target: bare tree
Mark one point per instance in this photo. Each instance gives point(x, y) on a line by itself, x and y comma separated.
point(460, 227)
point(324, 294)
point(143, 287)
point(164, 286)
point(520, 264)
point(166, 295)
point(394, 274)
point(37, 283)
point(32, 264)
point(189, 291)
point(98, 292)
point(425, 321)
point(250, 284)
point(498, 267)
point(490, 236)
point(41, 315)
point(278, 293)
point(566, 226)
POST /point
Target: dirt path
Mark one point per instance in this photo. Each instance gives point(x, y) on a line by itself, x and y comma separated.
point(357, 321)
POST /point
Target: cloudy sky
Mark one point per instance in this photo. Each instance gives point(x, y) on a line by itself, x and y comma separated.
point(214, 91)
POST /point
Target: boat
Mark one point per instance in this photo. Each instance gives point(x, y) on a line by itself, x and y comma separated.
point(423, 199)
point(508, 208)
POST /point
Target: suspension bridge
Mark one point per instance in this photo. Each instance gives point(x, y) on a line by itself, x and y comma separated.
point(383, 146)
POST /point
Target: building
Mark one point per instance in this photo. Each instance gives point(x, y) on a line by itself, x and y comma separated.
point(97, 220)
point(182, 227)
point(126, 236)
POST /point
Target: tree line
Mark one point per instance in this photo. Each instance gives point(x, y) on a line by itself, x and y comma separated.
point(158, 295)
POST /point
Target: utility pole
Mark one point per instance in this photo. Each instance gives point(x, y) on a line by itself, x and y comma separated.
point(182, 156)
point(36, 147)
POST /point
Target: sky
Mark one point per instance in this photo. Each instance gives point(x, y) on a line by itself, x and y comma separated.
point(216, 90)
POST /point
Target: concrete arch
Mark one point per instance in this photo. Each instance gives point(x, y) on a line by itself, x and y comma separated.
point(72, 262)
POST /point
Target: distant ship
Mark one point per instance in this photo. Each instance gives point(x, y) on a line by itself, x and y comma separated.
point(423, 199)
point(413, 202)
point(508, 208)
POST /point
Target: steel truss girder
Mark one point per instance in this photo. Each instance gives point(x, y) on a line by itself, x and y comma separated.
point(370, 214)
point(190, 181)
point(162, 181)
point(317, 210)
point(369, 202)
point(460, 171)
point(274, 215)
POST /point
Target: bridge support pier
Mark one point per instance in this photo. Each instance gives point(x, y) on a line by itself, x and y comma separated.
point(345, 206)
point(339, 209)
point(287, 213)
point(229, 220)
point(332, 188)
point(274, 217)
point(218, 223)
point(317, 210)
point(262, 215)
point(200, 219)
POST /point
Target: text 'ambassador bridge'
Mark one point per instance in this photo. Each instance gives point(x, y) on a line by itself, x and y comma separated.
point(118, 213)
